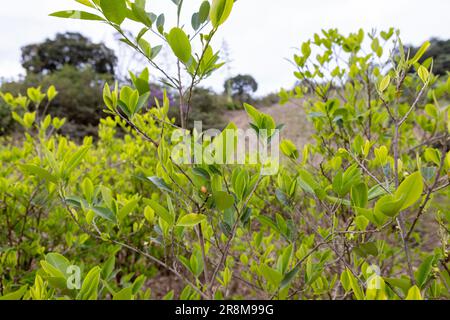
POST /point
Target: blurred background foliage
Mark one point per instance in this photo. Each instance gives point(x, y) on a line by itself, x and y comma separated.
point(79, 68)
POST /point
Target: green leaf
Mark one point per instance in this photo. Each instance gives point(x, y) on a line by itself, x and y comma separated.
point(410, 190)
point(190, 220)
point(75, 14)
point(433, 155)
point(289, 149)
point(220, 11)
point(140, 14)
point(160, 183)
point(195, 21)
point(414, 294)
point(424, 271)
point(114, 10)
point(289, 277)
point(88, 189)
point(203, 13)
point(89, 288)
point(307, 182)
point(105, 213)
point(389, 205)
point(124, 294)
point(357, 291)
point(75, 159)
point(138, 283)
point(162, 212)
point(384, 83)
point(271, 275)
point(145, 47)
point(285, 258)
point(16, 295)
point(423, 73)
point(179, 42)
point(420, 53)
point(127, 209)
point(160, 23)
point(402, 283)
point(108, 267)
point(359, 195)
point(58, 261)
point(39, 172)
point(268, 222)
point(361, 222)
point(223, 200)
point(366, 249)
point(86, 3)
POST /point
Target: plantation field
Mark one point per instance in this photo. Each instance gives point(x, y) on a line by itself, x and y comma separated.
point(144, 206)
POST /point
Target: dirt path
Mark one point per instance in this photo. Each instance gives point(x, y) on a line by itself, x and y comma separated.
point(296, 126)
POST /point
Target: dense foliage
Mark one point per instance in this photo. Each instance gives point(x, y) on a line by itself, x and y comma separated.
point(79, 101)
point(360, 213)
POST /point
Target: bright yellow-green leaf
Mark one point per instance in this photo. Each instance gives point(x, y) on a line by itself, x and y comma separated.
point(414, 294)
point(220, 11)
point(190, 220)
point(384, 83)
point(424, 75)
point(410, 190)
point(75, 14)
point(180, 44)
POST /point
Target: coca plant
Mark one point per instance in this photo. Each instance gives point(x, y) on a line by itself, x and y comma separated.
point(361, 213)
point(377, 174)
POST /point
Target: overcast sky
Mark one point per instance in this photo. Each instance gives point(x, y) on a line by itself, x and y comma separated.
point(260, 33)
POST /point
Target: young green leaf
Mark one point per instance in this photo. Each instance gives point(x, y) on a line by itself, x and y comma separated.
point(89, 289)
point(223, 200)
point(114, 10)
point(75, 14)
point(180, 44)
point(420, 53)
point(190, 220)
point(410, 190)
point(220, 11)
point(414, 294)
point(384, 83)
point(162, 212)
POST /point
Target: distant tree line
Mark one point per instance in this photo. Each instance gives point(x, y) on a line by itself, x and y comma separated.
point(79, 68)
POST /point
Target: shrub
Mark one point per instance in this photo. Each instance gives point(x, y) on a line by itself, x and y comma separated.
point(344, 219)
point(79, 98)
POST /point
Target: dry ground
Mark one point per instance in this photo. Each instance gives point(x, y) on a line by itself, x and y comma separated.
point(296, 126)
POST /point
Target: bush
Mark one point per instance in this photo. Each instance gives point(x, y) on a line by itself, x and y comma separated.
point(79, 98)
point(345, 217)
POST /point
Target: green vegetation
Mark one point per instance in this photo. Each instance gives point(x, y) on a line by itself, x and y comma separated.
point(360, 213)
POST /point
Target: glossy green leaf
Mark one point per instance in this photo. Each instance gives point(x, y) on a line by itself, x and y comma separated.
point(180, 44)
point(220, 11)
point(114, 10)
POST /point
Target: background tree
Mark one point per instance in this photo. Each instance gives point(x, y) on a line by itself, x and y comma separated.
point(68, 49)
point(241, 87)
point(78, 68)
point(440, 52)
